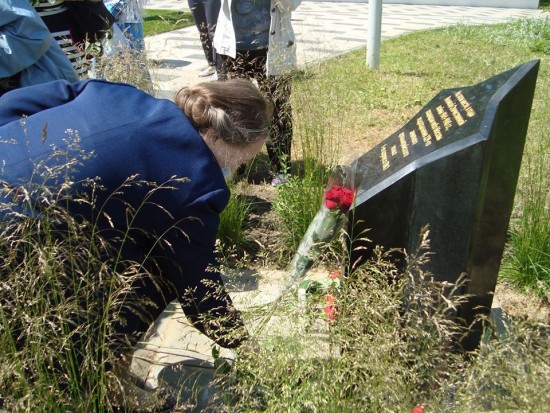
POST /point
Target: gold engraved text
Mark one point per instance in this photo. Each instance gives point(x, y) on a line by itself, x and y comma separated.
point(403, 143)
point(384, 158)
point(465, 104)
point(454, 111)
point(430, 126)
point(413, 138)
point(434, 125)
point(444, 115)
point(424, 132)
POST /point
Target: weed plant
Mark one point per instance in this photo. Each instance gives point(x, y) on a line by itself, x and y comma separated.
point(47, 256)
point(233, 219)
point(390, 345)
point(63, 290)
point(125, 65)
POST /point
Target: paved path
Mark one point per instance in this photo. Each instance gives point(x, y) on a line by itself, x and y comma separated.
point(323, 29)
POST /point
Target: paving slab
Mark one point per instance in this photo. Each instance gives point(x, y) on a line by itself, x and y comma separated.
point(175, 354)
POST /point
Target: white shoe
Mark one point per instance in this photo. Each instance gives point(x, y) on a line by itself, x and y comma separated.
point(207, 71)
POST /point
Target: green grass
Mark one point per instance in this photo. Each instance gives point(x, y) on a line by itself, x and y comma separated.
point(161, 21)
point(390, 346)
point(527, 262)
point(233, 220)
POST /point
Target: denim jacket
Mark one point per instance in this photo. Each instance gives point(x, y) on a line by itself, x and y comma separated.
point(281, 54)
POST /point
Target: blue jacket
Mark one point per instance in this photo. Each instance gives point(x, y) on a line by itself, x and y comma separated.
point(28, 48)
point(129, 132)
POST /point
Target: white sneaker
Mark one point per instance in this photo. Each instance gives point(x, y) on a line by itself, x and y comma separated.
point(207, 71)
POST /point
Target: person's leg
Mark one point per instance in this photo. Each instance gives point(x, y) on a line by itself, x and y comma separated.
point(242, 67)
point(252, 64)
point(149, 297)
point(223, 63)
point(278, 89)
point(280, 141)
point(212, 10)
point(197, 8)
point(248, 65)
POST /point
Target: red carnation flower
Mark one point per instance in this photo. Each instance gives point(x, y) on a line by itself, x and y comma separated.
point(339, 197)
point(330, 308)
point(330, 312)
point(418, 408)
point(334, 275)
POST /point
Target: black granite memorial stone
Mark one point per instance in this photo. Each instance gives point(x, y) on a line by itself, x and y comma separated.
point(454, 168)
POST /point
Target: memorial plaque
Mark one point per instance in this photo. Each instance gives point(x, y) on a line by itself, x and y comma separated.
point(453, 167)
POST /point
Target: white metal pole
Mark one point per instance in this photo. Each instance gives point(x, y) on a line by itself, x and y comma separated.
point(374, 33)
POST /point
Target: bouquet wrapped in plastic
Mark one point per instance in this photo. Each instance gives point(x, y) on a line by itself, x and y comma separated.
point(331, 217)
point(338, 198)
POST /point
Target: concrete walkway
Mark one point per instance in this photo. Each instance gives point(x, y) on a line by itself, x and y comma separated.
point(175, 352)
point(323, 29)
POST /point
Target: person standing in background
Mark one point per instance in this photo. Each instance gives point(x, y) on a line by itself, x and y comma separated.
point(59, 21)
point(127, 45)
point(256, 40)
point(205, 13)
point(29, 54)
point(129, 19)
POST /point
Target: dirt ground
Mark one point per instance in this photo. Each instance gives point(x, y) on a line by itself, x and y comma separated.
point(521, 305)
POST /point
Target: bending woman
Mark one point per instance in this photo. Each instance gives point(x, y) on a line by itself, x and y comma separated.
point(191, 144)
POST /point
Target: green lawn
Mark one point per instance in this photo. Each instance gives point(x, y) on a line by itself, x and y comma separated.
point(161, 21)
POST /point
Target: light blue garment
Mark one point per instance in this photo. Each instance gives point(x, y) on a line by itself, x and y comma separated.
point(27, 47)
point(134, 34)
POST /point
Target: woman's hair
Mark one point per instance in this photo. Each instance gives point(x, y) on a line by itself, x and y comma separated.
point(236, 110)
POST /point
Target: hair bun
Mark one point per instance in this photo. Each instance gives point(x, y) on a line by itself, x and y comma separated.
point(195, 106)
point(234, 109)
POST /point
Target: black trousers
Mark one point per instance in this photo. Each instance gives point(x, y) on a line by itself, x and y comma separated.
point(205, 13)
point(252, 64)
